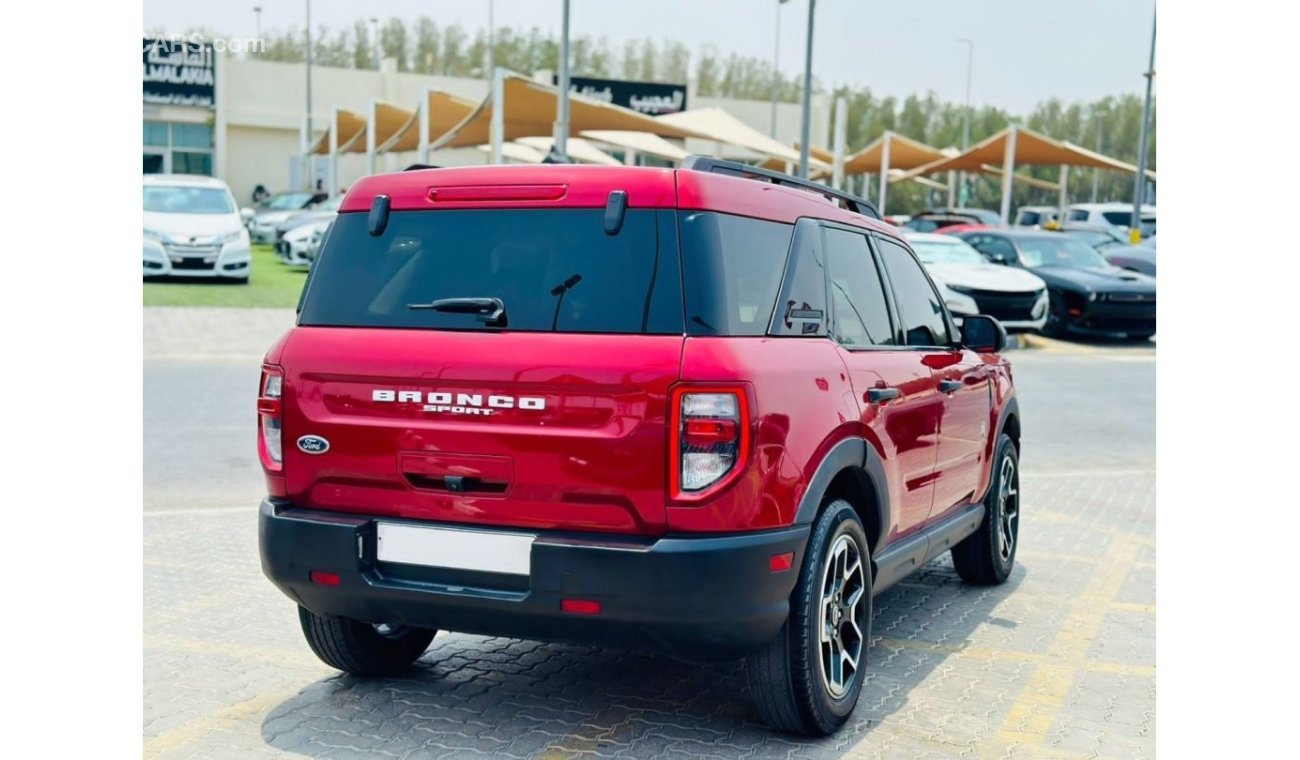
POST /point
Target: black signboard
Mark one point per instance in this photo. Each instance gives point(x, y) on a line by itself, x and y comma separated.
point(179, 72)
point(653, 98)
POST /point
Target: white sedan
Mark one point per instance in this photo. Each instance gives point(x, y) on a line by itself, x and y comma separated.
point(299, 245)
point(1014, 297)
point(192, 228)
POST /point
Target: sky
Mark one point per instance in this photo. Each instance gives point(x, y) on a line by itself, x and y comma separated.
point(1026, 51)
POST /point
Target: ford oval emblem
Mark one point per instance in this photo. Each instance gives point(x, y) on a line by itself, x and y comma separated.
point(313, 444)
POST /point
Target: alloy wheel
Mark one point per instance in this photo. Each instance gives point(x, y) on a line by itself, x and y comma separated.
point(842, 616)
point(1008, 508)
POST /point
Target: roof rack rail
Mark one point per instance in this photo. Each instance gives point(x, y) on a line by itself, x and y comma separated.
point(851, 202)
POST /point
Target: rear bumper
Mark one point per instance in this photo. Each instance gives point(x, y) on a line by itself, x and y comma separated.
point(695, 598)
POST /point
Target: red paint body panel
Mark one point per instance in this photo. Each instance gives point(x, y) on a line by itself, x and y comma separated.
point(596, 458)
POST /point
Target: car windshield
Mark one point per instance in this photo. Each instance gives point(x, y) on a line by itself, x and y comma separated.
point(180, 199)
point(1059, 251)
point(1123, 218)
point(331, 204)
point(286, 201)
point(942, 252)
point(1094, 238)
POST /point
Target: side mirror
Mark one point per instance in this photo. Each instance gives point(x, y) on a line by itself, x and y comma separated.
point(983, 334)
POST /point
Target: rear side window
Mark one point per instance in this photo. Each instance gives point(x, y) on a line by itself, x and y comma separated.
point(861, 315)
point(918, 304)
point(732, 268)
point(555, 270)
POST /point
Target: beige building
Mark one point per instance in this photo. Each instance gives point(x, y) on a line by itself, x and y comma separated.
point(253, 132)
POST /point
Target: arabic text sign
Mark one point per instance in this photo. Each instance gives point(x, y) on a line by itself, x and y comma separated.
point(179, 73)
point(653, 98)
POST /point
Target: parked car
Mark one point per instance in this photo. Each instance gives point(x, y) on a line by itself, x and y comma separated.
point(1114, 213)
point(670, 409)
point(276, 209)
point(1015, 297)
point(935, 219)
point(192, 228)
point(1036, 216)
point(1086, 295)
point(1115, 247)
point(326, 210)
point(298, 247)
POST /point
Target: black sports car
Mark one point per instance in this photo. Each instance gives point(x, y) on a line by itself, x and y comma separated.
point(1086, 294)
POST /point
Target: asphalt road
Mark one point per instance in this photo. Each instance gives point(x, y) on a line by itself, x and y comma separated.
point(1059, 662)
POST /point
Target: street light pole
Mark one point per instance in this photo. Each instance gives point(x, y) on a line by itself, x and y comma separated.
point(375, 51)
point(561, 136)
point(257, 14)
point(306, 174)
point(776, 63)
point(1140, 184)
point(488, 62)
point(807, 95)
point(965, 117)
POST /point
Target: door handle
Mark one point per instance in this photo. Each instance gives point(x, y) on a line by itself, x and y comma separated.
point(881, 395)
point(949, 386)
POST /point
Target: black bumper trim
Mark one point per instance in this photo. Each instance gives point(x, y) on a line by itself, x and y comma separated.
point(702, 598)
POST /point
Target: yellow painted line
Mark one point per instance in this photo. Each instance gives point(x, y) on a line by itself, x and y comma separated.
point(235, 717)
point(1032, 714)
point(1146, 609)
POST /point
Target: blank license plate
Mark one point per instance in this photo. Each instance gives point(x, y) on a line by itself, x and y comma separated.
point(509, 553)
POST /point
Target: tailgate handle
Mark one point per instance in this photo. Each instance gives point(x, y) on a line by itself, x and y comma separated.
point(454, 483)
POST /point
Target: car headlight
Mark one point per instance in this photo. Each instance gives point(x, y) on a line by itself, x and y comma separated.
point(1092, 296)
point(229, 237)
point(960, 304)
point(156, 236)
point(960, 288)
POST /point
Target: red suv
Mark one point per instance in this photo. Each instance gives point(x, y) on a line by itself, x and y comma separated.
point(709, 411)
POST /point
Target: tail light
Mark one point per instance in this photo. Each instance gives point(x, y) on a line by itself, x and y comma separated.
point(269, 440)
point(710, 439)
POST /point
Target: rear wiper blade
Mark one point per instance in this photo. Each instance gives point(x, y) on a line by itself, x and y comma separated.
point(489, 310)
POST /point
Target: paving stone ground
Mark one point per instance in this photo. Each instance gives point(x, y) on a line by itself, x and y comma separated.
point(1058, 662)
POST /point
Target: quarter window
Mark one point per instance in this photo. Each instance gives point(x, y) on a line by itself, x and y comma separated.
point(919, 306)
point(860, 313)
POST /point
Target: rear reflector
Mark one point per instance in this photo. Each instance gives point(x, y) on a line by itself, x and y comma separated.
point(779, 562)
point(580, 606)
point(324, 578)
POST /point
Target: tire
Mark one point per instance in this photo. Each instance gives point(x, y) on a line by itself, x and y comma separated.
point(359, 648)
point(787, 677)
point(986, 557)
point(1054, 327)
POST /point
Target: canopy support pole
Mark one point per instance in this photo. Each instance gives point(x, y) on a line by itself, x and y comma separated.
point(424, 128)
point(952, 189)
point(334, 152)
point(1008, 172)
point(841, 127)
point(370, 139)
point(884, 170)
point(498, 128)
point(561, 137)
point(629, 158)
point(1065, 191)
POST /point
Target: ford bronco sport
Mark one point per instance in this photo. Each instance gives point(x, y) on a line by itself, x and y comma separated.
point(708, 411)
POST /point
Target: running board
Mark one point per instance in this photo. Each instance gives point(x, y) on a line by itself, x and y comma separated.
point(901, 559)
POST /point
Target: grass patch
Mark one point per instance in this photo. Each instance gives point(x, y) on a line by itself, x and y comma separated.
point(271, 285)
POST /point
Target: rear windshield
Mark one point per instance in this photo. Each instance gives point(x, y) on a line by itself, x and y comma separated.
point(555, 270)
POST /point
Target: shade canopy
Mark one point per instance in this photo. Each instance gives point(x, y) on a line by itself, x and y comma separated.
point(718, 125)
point(904, 153)
point(389, 121)
point(351, 127)
point(445, 111)
point(579, 150)
point(530, 109)
point(1031, 149)
point(641, 142)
